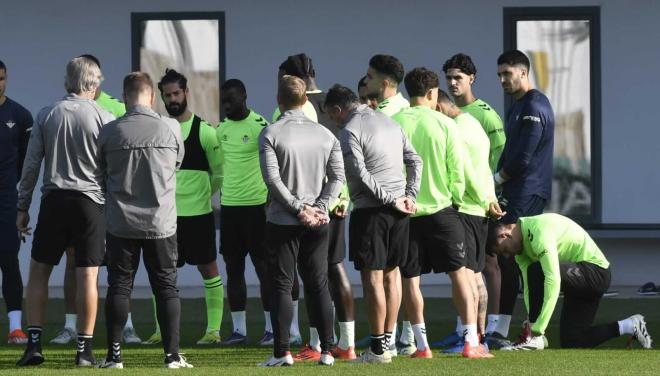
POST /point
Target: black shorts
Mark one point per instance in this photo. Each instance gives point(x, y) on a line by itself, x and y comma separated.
point(242, 232)
point(378, 238)
point(437, 244)
point(69, 218)
point(195, 238)
point(476, 236)
point(336, 240)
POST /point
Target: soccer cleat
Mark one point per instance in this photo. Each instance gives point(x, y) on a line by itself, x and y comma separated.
point(639, 331)
point(295, 340)
point(210, 338)
point(65, 336)
point(478, 352)
point(130, 336)
point(85, 360)
point(422, 354)
point(110, 364)
point(405, 349)
point(326, 359)
point(497, 341)
point(392, 350)
point(307, 353)
point(449, 340)
point(368, 357)
point(267, 340)
point(527, 344)
point(456, 349)
point(155, 339)
point(17, 337)
point(235, 338)
point(285, 361)
point(348, 354)
point(31, 357)
point(176, 361)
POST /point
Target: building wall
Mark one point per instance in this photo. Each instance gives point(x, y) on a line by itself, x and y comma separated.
point(41, 36)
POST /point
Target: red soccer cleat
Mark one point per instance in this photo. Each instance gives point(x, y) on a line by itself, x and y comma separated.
point(478, 352)
point(348, 354)
point(422, 354)
point(308, 353)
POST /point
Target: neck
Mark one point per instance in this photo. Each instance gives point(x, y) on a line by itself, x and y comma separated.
point(388, 93)
point(311, 84)
point(87, 94)
point(186, 115)
point(242, 114)
point(284, 109)
point(524, 88)
point(421, 101)
point(465, 99)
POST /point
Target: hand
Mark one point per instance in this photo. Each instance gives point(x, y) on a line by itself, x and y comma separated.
point(22, 220)
point(340, 210)
point(405, 205)
point(495, 211)
point(311, 216)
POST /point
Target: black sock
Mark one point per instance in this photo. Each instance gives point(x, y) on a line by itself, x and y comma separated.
point(114, 352)
point(172, 358)
point(388, 341)
point(84, 344)
point(377, 342)
point(34, 337)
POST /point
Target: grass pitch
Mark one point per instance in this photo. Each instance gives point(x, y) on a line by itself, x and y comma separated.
point(611, 358)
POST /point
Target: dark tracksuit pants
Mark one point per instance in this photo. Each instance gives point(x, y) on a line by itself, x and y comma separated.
point(583, 285)
point(160, 259)
point(12, 283)
point(288, 247)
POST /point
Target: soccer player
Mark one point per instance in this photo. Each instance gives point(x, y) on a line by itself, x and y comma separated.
point(375, 153)
point(196, 180)
point(369, 100)
point(460, 74)
point(524, 171)
point(474, 207)
point(65, 137)
point(139, 155)
point(242, 215)
point(15, 126)
point(340, 287)
point(556, 254)
point(384, 75)
point(291, 66)
point(68, 333)
point(297, 156)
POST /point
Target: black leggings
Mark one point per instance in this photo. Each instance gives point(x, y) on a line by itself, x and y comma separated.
point(583, 285)
point(12, 283)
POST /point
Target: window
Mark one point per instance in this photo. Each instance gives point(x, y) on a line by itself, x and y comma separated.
point(563, 45)
point(191, 43)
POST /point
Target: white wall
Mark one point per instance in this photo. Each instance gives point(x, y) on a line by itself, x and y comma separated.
point(39, 37)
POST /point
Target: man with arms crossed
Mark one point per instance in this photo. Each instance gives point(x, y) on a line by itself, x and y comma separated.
point(65, 137)
point(139, 155)
point(375, 153)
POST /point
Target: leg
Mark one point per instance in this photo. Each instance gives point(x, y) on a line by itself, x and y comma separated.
point(493, 276)
point(214, 293)
point(464, 301)
point(341, 291)
point(374, 295)
point(413, 300)
point(70, 283)
point(87, 298)
point(12, 288)
point(234, 240)
point(392, 287)
point(37, 292)
point(482, 303)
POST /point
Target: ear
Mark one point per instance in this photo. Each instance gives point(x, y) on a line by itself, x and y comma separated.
point(472, 78)
point(429, 94)
point(153, 98)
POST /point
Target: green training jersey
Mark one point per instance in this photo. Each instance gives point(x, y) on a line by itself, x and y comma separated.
point(492, 125)
point(436, 139)
point(242, 184)
point(308, 110)
point(479, 185)
point(111, 104)
point(194, 188)
point(392, 105)
point(551, 239)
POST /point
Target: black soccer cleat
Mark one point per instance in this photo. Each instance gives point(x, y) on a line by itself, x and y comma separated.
point(31, 357)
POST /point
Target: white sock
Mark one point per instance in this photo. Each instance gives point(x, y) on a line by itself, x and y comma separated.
point(459, 326)
point(314, 340)
point(492, 323)
point(503, 325)
point(268, 327)
point(470, 332)
point(407, 335)
point(626, 327)
point(238, 320)
point(295, 330)
point(420, 336)
point(346, 335)
point(70, 321)
point(129, 322)
point(14, 320)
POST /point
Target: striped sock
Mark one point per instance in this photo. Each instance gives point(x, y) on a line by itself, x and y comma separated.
point(215, 296)
point(34, 337)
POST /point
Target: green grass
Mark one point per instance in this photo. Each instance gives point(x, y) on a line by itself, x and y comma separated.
point(611, 358)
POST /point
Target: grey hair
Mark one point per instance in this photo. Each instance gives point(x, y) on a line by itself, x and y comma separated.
point(82, 74)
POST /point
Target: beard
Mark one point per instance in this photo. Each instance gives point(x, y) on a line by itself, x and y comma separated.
point(175, 109)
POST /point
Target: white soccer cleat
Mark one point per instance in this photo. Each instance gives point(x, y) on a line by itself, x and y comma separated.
point(130, 336)
point(285, 361)
point(639, 331)
point(368, 357)
point(172, 363)
point(110, 364)
point(527, 344)
point(65, 336)
point(406, 349)
point(326, 359)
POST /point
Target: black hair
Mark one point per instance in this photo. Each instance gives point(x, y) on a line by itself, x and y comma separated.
point(3, 66)
point(443, 97)
point(389, 66)
point(461, 62)
point(92, 58)
point(234, 83)
point(299, 65)
point(341, 96)
point(493, 228)
point(362, 83)
point(514, 57)
point(172, 76)
point(420, 80)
